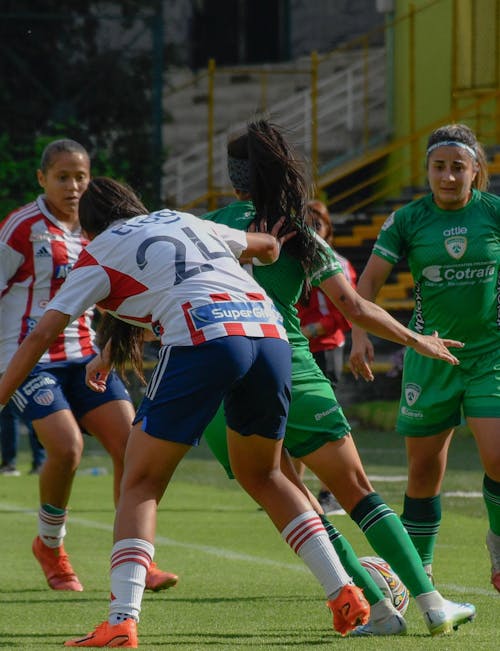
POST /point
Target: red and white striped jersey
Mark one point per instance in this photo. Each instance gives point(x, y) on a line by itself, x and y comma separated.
point(174, 273)
point(36, 254)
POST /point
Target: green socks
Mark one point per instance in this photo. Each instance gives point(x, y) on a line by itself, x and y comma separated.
point(491, 495)
point(390, 540)
point(421, 518)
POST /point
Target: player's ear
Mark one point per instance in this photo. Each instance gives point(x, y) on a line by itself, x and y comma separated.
point(41, 178)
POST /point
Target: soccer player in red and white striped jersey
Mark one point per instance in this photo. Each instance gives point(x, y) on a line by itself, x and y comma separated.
point(39, 244)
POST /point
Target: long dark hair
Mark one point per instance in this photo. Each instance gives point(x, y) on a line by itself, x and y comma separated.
point(104, 202)
point(277, 185)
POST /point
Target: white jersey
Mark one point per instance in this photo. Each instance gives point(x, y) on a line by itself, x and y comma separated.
point(37, 252)
point(174, 273)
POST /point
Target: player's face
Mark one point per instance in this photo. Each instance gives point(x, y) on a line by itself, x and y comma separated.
point(451, 172)
point(315, 222)
point(64, 183)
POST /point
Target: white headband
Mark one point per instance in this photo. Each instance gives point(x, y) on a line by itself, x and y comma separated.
point(451, 143)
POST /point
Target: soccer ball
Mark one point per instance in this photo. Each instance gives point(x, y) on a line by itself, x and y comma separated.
point(388, 581)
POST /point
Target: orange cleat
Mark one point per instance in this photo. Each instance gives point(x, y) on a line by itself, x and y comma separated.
point(56, 567)
point(123, 635)
point(157, 579)
point(350, 609)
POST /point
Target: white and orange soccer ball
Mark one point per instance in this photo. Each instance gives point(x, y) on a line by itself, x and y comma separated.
point(388, 581)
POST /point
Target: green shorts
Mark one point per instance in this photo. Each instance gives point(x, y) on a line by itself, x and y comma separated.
point(315, 417)
point(435, 394)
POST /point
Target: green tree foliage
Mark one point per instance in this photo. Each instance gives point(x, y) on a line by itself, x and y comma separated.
point(82, 70)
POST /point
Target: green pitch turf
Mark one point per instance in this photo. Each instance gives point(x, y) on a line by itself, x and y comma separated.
point(240, 587)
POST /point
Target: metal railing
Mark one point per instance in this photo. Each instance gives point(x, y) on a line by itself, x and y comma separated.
point(340, 105)
point(478, 114)
point(340, 117)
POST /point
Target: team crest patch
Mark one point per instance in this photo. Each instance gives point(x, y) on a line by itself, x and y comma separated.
point(412, 393)
point(44, 397)
point(456, 246)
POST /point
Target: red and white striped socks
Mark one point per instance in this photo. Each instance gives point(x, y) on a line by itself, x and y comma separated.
point(308, 538)
point(52, 525)
point(130, 561)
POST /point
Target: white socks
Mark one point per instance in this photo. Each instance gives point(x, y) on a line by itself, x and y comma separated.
point(307, 536)
point(130, 561)
point(51, 525)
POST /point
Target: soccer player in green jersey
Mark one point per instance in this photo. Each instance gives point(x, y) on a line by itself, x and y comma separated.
point(451, 239)
point(269, 183)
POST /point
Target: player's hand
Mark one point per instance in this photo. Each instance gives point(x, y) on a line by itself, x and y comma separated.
point(260, 226)
point(96, 374)
point(361, 356)
point(437, 348)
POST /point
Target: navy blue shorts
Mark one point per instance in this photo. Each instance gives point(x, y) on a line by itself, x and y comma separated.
point(52, 387)
point(251, 376)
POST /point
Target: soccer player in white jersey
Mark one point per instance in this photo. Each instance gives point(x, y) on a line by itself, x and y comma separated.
point(222, 341)
point(39, 243)
point(451, 239)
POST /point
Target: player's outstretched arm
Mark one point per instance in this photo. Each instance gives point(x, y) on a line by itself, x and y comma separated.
point(374, 319)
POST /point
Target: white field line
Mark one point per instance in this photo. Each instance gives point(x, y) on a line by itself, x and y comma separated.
point(398, 478)
point(220, 552)
point(229, 554)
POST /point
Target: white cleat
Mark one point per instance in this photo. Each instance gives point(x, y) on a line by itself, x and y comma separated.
point(392, 624)
point(449, 617)
point(385, 619)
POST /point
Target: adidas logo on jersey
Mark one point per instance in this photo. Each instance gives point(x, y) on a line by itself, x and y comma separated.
point(43, 252)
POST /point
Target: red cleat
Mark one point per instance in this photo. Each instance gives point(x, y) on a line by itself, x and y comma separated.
point(123, 635)
point(157, 579)
point(350, 609)
point(56, 567)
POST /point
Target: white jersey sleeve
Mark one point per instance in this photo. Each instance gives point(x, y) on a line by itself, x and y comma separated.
point(235, 239)
point(82, 288)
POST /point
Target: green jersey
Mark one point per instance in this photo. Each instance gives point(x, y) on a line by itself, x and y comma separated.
point(284, 279)
point(454, 258)
point(315, 417)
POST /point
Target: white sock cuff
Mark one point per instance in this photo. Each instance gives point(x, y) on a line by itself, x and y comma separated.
point(132, 550)
point(300, 529)
point(52, 526)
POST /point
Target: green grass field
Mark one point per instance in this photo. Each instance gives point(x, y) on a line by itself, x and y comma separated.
point(240, 586)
